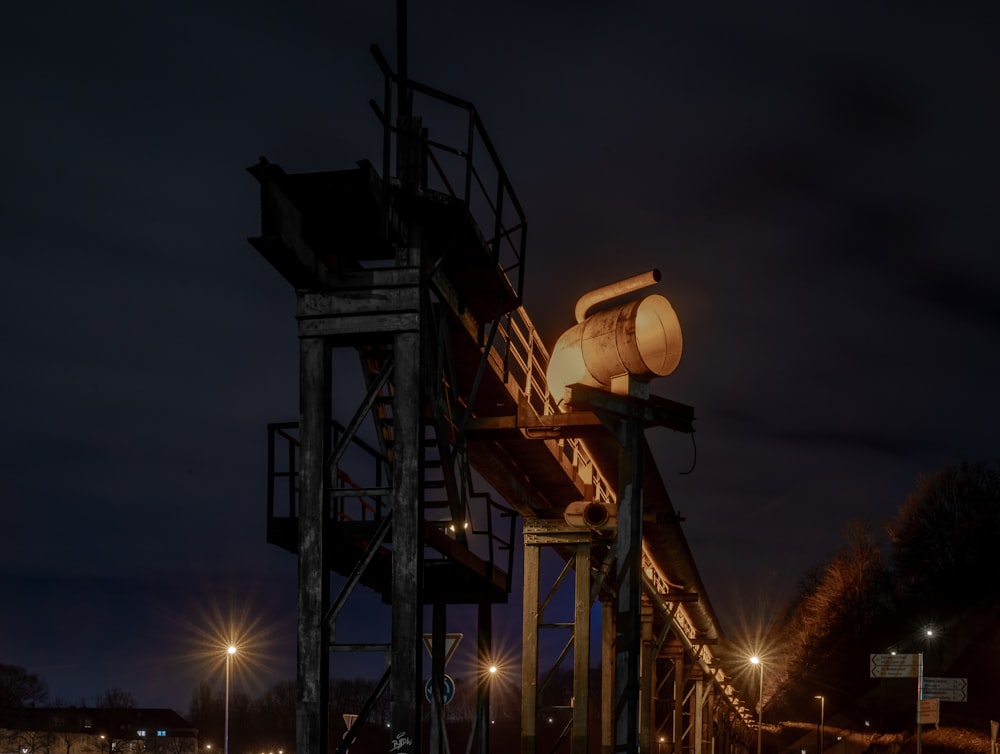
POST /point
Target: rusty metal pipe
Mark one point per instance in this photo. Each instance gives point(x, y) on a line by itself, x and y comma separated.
point(613, 290)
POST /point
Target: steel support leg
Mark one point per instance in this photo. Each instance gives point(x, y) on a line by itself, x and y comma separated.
point(678, 704)
point(314, 575)
point(581, 650)
point(439, 618)
point(607, 676)
point(484, 656)
point(628, 635)
point(646, 679)
point(529, 650)
point(407, 549)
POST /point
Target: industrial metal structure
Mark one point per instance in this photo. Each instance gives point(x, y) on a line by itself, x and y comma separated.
point(416, 270)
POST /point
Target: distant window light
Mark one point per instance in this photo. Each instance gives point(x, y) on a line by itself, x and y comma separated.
point(161, 733)
point(88, 723)
point(141, 733)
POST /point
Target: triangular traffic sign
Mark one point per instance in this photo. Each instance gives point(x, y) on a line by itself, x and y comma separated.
point(450, 645)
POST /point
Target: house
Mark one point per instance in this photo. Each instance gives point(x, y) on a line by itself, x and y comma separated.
point(86, 730)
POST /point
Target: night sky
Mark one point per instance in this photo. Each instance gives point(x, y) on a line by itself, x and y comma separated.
point(815, 181)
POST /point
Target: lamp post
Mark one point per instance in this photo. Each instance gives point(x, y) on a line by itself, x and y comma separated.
point(230, 651)
point(755, 660)
point(822, 713)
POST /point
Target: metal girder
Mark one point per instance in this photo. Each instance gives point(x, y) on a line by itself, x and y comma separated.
point(651, 411)
point(575, 546)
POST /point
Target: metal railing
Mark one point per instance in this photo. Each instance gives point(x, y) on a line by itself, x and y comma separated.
point(364, 496)
point(466, 166)
point(520, 358)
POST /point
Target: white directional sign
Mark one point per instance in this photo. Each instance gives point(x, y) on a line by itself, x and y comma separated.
point(895, 666)
point(929, 712)
point(946, 689)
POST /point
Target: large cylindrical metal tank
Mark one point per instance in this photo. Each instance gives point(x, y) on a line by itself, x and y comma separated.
point(641, 338)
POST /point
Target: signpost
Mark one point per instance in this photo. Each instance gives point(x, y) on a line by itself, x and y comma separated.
point(447, 689)
point(348, 721)
point(906, 666)
point(947, 689)
point(929, 712)
point(895, 666)
point(447, 682)
point(450, 645)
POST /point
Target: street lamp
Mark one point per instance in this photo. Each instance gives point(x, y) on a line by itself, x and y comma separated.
point(755, 660)
point(230, 651)
point(822, 713)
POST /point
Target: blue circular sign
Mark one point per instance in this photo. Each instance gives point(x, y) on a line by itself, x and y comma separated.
point(447, 689)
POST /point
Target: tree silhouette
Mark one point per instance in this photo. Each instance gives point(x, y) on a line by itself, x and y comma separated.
point(19, 688)
point(937, 568)
point(837, 607)
point(115, 698)
point(945, 534)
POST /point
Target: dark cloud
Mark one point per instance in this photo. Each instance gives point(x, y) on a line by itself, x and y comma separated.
point(974, 300)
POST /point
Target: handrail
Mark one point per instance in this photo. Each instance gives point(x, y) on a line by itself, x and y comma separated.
point(521, 346)
point(372, 508)
point(456, 102)
point(514, 236)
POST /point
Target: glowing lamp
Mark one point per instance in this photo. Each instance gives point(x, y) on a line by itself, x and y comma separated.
point(641, 338)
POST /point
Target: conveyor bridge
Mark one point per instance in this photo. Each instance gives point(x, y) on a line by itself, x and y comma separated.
point(412, 483)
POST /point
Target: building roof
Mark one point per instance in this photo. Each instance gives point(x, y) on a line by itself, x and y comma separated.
point(123, 723)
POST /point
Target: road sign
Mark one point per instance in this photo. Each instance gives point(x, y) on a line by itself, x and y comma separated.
point(348, 721)
point(447, 689)
point(895, 666)
point(946, 689)
point(450, 645)
point(929, 712)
